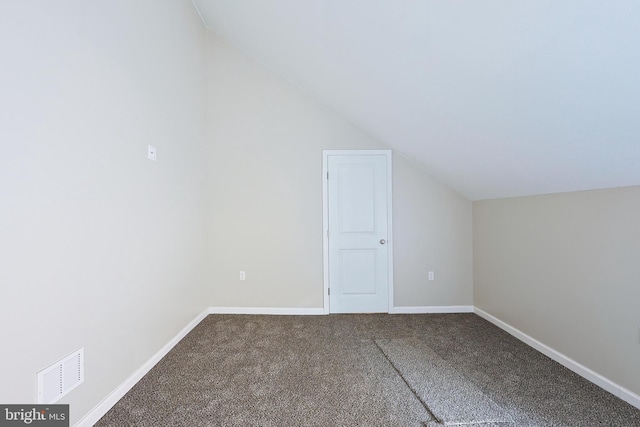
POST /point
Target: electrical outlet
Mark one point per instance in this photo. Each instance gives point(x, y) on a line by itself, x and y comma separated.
point(432, 275)
point(243, 275)
point(151, 152)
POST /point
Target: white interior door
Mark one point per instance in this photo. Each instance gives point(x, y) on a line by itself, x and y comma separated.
point(359, 241)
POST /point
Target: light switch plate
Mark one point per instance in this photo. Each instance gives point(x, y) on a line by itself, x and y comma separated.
point(152, 152)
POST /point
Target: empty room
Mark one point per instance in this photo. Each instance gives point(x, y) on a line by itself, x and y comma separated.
point(316, 213)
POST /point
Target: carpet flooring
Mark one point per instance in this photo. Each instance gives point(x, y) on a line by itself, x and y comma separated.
point(362, 370)
point(450, 398)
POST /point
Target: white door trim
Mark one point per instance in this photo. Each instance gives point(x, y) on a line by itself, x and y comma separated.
point(325, 216)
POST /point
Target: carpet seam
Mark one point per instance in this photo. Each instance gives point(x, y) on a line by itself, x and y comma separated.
point(482, 391)
point(415, 393)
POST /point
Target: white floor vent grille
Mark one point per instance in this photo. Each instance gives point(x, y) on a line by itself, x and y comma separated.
point(60, 378)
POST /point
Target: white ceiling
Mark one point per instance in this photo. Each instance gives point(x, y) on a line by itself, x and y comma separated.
point(494, 98)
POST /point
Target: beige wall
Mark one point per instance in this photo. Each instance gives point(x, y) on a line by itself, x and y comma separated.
point(99, 247)
point(564, 269)
point(432, 232)
point(265, 198)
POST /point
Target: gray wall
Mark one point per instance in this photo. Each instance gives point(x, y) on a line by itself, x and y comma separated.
point(266, 138)
point(99, 247)
point(565, 269)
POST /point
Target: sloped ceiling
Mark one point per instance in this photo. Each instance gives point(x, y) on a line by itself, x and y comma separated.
point(494, 98)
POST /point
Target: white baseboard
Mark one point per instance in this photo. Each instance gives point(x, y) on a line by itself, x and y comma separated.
point(108, 402)
point(613, 388)
point(267, 310)
point(432, 309)
point(320, 311)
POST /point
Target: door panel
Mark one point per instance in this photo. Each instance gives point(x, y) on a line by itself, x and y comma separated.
point(357, 271)
point(358, 233)
point(357, 188)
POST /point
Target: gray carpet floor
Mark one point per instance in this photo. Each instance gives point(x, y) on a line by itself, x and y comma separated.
point(362, 370)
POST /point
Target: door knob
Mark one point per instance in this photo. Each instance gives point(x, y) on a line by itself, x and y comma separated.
point(382, 241)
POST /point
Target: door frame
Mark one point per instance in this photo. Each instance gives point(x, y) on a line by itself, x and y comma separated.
point(325, 217)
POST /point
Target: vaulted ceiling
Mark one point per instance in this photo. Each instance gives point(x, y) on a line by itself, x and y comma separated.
point(495, 98)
